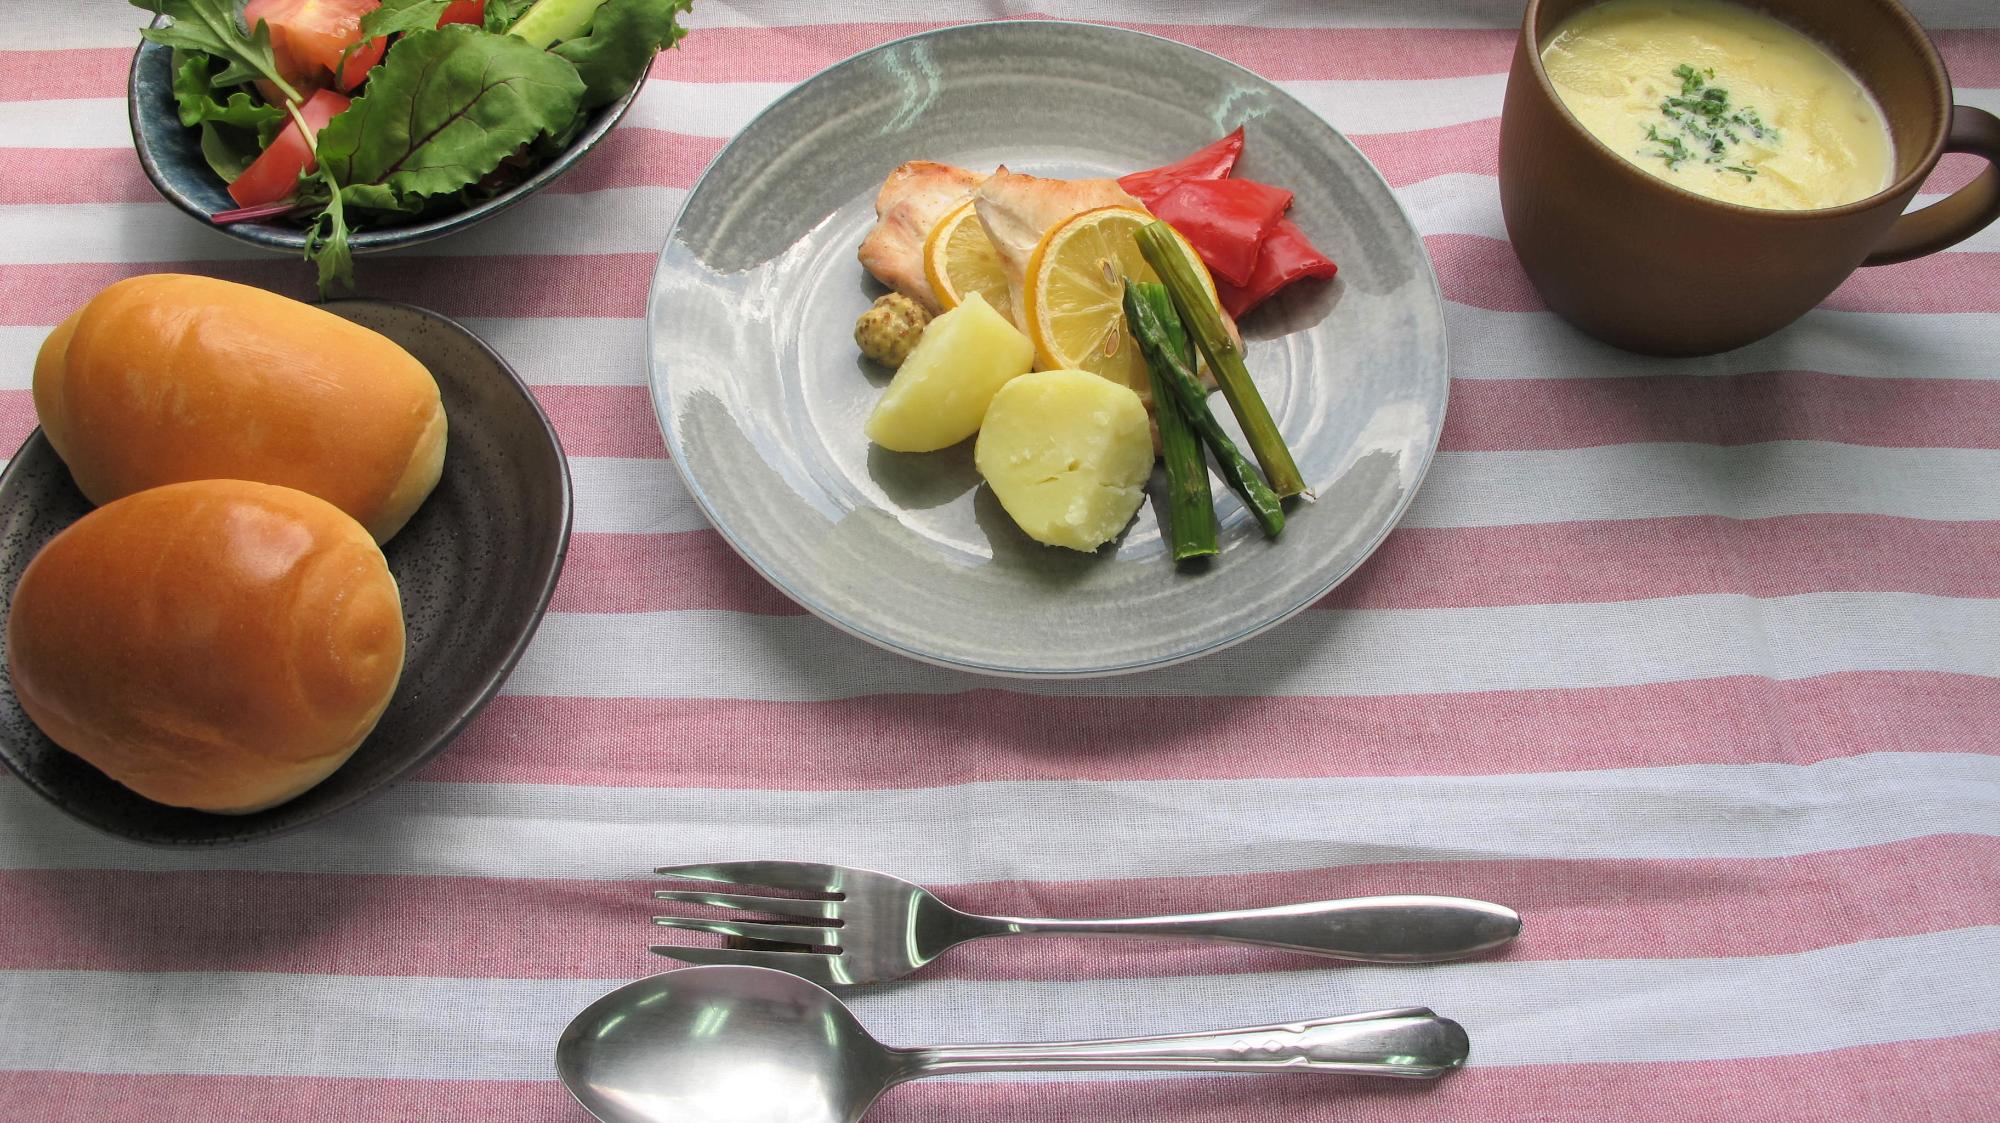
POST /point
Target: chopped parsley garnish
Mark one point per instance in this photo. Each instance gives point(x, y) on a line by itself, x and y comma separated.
point(1703, 126)
point(1672, 148)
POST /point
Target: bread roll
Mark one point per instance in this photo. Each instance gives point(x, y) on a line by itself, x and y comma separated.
point(165, 378)
point(222, 645)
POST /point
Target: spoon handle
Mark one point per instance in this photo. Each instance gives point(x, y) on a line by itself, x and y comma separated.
point(1390, 929)
point(1413, 1043)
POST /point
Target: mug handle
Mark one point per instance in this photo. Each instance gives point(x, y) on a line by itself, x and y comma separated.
point(1962, 213)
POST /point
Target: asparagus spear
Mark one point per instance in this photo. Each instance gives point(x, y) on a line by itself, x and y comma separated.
point(1190, 504)
point(1170, 368)
point(1204, 322)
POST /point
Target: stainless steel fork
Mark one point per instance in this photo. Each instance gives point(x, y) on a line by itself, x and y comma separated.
point(866, 927)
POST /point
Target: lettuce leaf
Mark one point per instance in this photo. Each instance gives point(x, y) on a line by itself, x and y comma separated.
point(213, 27)
point(228, 152)
point(326, 240)
point(397, 16)
point(623, 37)
point(233, 130)
point(393, 18)
point(195, 92)
point(501, 14)
point(441, 112)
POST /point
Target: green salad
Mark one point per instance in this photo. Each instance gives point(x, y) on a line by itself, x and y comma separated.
point(343, 114)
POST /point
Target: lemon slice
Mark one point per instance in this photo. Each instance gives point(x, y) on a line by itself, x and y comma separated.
point(959, 260)
point(1075, 295)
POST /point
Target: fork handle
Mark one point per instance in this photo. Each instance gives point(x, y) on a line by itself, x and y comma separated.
point(1390, 929)
point(1411, 1043)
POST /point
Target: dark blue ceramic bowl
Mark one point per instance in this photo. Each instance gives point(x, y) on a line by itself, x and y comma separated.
point(171, 154)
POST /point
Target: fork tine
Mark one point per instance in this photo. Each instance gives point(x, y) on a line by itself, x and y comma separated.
point(808, 934)
point(811, 877)
point(777, 906)
point(820, 968)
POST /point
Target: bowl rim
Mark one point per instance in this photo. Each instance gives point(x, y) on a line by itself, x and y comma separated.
point(287, 239)
point(464, 712)
point(663, 404)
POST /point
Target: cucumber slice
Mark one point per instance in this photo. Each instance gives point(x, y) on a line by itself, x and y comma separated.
point(552, 21)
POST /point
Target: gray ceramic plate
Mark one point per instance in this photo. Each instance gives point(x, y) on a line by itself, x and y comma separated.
point(170, 153)
point(476, 565)
point(762, 395)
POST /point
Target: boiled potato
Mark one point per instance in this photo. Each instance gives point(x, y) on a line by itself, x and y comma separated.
point(942, 390)
point(1067, 454)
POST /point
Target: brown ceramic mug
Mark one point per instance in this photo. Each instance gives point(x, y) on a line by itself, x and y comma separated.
point(1650, 267)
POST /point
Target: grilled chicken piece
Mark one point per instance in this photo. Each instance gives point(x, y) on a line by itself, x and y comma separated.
point(912, 200)
point(1017, 210)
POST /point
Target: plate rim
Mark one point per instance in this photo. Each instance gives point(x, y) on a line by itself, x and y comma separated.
point(465, 712)
point(656, 379)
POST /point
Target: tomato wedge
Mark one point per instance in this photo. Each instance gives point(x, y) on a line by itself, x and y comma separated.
point(464, 11)
point(275, 173)
point(309, 36)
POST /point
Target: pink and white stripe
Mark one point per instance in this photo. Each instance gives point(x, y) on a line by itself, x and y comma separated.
point(1693, 662)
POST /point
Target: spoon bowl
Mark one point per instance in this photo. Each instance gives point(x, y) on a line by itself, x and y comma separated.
point(722, 1045)
point(755, 1045)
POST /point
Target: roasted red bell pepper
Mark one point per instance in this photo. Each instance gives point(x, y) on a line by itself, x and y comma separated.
point(1288, 255)
point(1225, 220)
point(1213, 162)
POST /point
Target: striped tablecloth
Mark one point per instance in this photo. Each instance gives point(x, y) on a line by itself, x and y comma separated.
point(1694, 662)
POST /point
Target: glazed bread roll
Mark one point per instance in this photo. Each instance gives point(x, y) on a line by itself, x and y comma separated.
point(222, 645)
point(165, 378)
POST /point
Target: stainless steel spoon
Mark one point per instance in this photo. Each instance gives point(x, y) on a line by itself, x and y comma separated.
point(754, 1045)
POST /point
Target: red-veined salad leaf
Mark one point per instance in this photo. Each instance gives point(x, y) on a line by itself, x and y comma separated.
point(622, 39)
point(445, 108)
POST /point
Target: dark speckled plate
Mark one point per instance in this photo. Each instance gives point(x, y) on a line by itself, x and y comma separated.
point(170, 153)
point(475, 565)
